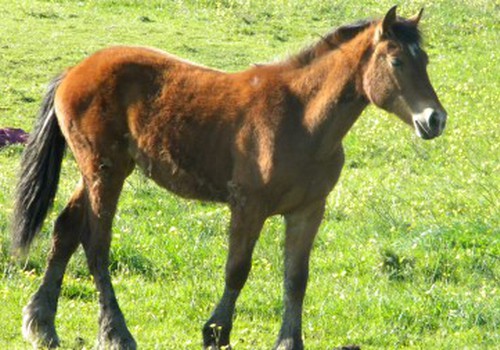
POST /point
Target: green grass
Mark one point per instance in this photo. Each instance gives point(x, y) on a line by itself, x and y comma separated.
point(408, 255)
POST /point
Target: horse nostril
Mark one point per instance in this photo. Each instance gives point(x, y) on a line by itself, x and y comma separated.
point(434, 120)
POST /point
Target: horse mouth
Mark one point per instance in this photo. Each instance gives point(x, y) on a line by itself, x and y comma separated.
point(424, 131)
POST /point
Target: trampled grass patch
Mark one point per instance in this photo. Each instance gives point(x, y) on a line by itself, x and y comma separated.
point(408, 254)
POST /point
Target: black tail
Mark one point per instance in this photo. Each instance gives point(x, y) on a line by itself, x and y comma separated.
point(39, 175)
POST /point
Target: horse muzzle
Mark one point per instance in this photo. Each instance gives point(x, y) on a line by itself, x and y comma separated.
point(430, 123)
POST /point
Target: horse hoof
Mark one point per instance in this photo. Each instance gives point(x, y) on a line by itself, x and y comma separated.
point(215, 347)
point(38, 326)
point(214, 335)
point(116, 342)
point(348, 347)
point(289, 344)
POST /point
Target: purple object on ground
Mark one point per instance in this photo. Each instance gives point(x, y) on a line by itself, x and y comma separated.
point(9, 136)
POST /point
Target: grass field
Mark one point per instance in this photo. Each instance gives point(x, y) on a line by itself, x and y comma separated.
point(408, 254)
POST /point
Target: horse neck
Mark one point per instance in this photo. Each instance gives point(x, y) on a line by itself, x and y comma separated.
point(332, 92)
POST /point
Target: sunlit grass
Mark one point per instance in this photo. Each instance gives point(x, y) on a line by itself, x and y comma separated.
point(408, 255)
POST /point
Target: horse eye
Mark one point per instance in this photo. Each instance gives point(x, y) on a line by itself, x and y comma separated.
point(397, 62)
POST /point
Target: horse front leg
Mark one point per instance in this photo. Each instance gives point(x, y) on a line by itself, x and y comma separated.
point(301, 228)
point(246, 223)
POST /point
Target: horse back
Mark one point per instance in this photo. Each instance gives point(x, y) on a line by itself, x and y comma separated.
point(177, 121)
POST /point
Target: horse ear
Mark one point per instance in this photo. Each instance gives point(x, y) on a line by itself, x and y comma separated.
point(416, 19)
point(385, 26)
point(389, 20)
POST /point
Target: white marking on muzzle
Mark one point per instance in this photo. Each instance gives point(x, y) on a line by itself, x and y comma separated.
point(429, 123)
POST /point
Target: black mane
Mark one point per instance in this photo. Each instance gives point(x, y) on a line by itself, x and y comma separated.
point(329, 42)
point(405, 32)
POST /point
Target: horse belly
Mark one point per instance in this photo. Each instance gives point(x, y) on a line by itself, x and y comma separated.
point(167, 173)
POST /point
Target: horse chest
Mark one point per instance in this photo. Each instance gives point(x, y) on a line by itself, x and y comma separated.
point(305, 183)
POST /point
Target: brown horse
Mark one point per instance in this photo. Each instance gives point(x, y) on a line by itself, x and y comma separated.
point(265, 141)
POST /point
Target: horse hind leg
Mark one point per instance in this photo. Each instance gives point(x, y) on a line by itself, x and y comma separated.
point(104, 185)
point(39, 314)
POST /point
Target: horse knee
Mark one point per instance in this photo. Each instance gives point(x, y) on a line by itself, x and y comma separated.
point(296, 279)
point(237, 271)
point(239, 261)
